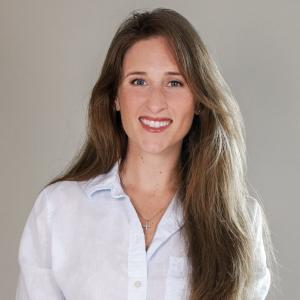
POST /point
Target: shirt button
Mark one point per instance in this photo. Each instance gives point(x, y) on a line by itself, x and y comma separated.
point(137, 283)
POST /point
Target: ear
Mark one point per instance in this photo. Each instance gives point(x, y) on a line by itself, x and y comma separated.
point(117, 104)
point(198, 109)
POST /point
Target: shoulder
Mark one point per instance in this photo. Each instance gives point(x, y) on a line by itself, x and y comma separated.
point(62, 194)
point(258, 221)
point(62, 188)
point(67, 192)
point(65, 195)
point(254, 209)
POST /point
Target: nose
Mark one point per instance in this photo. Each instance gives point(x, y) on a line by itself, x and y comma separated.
point(156, 100)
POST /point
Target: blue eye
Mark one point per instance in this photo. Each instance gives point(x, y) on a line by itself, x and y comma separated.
point(172, 83)
point(138, 81)
point(176, 83)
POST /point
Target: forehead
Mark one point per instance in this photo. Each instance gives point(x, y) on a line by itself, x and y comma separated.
point(151, 53)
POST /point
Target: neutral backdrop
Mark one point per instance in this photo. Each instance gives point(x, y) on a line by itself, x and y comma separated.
point(51, 54)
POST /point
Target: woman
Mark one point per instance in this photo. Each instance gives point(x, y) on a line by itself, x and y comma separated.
point(156, 205)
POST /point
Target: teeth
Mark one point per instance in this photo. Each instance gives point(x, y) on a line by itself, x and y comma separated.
point(155, 124)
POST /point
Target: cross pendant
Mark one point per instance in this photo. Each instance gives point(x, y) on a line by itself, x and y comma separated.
point(146, 226)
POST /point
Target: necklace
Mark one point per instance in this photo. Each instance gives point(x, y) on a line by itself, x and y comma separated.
point(147, 225)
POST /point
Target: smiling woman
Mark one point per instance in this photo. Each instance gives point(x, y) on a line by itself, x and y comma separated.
point(151, 103)
point(156, 205)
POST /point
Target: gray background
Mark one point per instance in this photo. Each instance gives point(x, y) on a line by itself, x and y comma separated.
point(51, 53)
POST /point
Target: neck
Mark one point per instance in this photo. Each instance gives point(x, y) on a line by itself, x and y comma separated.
point(149, 173)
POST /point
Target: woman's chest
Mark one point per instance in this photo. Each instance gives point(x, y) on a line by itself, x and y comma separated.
point(113, 264)
point(101, 255)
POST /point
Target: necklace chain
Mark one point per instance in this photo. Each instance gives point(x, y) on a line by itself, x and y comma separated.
point(147, 225)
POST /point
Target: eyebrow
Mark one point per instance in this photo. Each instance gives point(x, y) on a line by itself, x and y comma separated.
point(145, 73)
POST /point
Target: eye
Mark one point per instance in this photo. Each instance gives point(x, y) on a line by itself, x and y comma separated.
point(175, 83)
point(138, 81)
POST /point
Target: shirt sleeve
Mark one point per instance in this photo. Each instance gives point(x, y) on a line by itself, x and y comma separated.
point(262, 278)
point(36, 280)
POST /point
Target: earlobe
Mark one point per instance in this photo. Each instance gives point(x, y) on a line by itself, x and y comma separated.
point(198, 109)
point(117, 105)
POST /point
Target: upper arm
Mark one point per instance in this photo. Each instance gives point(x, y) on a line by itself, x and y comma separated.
point(36, 280)
point(262, 278)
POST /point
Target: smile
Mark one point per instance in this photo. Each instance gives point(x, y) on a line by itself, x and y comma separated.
point(156, 125)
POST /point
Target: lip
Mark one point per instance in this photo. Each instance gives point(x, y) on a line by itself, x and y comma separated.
point(155, 130)
point(155, 119)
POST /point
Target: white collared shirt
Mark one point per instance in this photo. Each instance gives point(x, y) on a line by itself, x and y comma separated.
point(84, 241)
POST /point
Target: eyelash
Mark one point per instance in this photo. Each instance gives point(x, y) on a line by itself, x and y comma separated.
point(177, 82)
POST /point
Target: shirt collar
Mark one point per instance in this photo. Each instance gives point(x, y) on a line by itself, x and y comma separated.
point(108, 181)
point(111, 181)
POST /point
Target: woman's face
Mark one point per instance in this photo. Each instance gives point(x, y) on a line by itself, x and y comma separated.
point(155, 102)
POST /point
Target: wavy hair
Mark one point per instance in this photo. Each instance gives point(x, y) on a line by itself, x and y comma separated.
point(213, 190)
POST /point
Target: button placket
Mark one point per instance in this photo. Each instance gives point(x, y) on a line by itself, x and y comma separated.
point(137, 283)
point(137, 262)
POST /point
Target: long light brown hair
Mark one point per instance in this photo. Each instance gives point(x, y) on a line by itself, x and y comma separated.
point(212, 165)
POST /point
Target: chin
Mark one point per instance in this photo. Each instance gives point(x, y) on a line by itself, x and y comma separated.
point(157, 148)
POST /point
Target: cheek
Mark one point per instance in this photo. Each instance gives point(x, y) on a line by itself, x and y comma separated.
point(129, 107)
point(184, 108)
point(186, 121)
point(130, 93)
point(130, 100)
